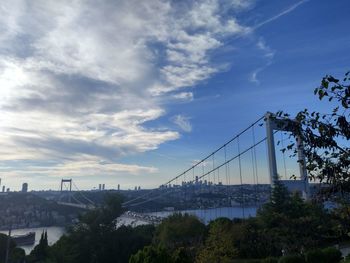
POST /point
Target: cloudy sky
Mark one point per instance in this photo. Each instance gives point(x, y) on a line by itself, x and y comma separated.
point(132, 92)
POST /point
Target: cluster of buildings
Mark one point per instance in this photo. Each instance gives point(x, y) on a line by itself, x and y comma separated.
point(19, 210)
point(201, 195)
point(7, 190)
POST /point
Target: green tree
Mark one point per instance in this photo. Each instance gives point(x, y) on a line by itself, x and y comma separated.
point(326, 135)
point(285, 225)
point(92, 239)
point(293, 224)
point(3, 246)
point(181, 235)
point(151, 254)
point(18, 255)
point(40, 251)
point(219, 245)
point(180, 230)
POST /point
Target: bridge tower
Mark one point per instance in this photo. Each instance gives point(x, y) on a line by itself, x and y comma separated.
point(63, 183)
point(275, 124)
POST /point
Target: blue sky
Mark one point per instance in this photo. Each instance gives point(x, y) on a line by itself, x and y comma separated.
point(122, 92)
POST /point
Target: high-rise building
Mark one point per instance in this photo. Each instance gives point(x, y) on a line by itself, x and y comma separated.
point(24, 187)
point(103, 186)
point(118, 187)
point(100, 187)
point(3, 188)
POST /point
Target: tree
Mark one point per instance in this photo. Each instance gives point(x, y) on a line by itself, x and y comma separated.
point(151, 254)
point(180, 230)
point(93, 238)
point(292, 224)
point(325, 136)
point(40, 252)
point(3, 246)
point(219, 245)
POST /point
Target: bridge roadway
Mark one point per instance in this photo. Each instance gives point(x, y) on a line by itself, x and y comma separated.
point(149, 219)
point(82, 206)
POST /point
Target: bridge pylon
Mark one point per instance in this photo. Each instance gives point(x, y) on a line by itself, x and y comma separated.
point(69, 188)
point(276, 124)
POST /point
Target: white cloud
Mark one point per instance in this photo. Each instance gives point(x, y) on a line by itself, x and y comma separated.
point(185, 96)
point(268, 53)
point(183, 122)
point(81, 79)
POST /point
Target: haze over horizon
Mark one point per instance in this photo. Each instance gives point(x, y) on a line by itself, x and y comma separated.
point(132, 93)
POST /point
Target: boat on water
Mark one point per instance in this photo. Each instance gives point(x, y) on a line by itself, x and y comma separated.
point(24, 240)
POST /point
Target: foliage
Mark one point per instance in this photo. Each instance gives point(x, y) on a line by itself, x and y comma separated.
point(95, 238)
point(151, 254)
point(325, 136)
point(40, 252)
point(270, 260)
point(341, 215)
point(17, 255)
point(314, 256)
point(292, 259)
point(331, 255)
point(3, 246)
point(180, 255)
point(287, 223)
point(180, 230)
point(219, 245)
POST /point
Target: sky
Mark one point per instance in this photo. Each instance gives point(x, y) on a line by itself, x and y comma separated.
point(133, 92)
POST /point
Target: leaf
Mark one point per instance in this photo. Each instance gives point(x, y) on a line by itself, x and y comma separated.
point(332, 79)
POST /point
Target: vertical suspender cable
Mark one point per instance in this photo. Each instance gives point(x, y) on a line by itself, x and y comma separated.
point(214, 186)
point(284, 156)
point(240, 177)
point(254, 179)
point(226, 183)
point(256, 168)
point(201, 194)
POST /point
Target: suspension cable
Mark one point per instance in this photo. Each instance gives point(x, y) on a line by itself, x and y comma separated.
point(201, 161)
point(207, 173)
point(240, 178)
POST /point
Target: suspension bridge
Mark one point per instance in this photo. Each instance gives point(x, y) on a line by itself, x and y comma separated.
point(75, 198)
point(240, 172)
point(226, 167)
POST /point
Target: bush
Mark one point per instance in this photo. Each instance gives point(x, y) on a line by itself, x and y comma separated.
point(314, 256)
point(331, 255)
point(270, 260)
point(292, 259)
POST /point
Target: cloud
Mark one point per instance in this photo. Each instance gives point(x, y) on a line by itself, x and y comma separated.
point(83, 79)
point(183, 122)
point(88, 166)
point(268, 54)
point(185, 96)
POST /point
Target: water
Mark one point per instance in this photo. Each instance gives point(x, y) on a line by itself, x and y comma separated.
point(53, 234)
point(206, 215)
